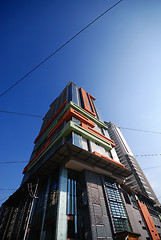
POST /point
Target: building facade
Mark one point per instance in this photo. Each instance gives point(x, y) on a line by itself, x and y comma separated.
point(137, 180)
point(74, 185)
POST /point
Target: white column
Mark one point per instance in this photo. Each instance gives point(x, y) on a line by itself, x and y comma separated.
point(61, 225)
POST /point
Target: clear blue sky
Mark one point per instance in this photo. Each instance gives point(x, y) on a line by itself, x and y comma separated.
point(117, 60)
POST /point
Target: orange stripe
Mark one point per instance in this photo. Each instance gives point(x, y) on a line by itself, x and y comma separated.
point(98, 134)
point(89, 97)
point(86, 102)
point(71, 112)
point(109, 159)
point(50, 121)
point(36, 156)
point(149, 222)
point(82, 118)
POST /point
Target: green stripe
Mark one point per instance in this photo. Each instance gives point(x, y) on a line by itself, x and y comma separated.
point(77, 108)
point(71, 126)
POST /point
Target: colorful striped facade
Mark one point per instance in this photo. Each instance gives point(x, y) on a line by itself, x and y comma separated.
point(74, 184)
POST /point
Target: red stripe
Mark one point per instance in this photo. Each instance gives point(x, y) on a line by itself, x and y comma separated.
point(98, 134)
point(71, 112)
point(86, 102)
point(36, 156)
point(109, 159)
point(90, 101)
point(50, 121)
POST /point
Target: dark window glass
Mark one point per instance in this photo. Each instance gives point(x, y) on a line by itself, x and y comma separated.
point(74, 207)
point(117, 208)
point(70, 93)
point(77, 140)
point(39, 203)
point(73, 94)
point(98, 148)
point(76, 120)
point(81, 100)
point(69, 138)
point(96, 110)
point(126, 196)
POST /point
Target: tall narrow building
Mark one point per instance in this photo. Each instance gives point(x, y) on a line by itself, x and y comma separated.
point(137, 180)
point(74, 183)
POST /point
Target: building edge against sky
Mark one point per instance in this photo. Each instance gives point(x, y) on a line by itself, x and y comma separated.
point(137, 180)
point(76, 185)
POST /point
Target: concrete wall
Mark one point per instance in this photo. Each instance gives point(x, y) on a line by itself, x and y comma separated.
point(99, 220)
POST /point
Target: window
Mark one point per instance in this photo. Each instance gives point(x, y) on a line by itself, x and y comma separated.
point(39, 205)
point(71, 206)
point(98, 148)
point(148, 192)
point(69, 138)
point(73, 94)
point(108, 153)
point(117, 208)
point(77, 140)
point(74, 207)
point(85, 144)
point(75, 120)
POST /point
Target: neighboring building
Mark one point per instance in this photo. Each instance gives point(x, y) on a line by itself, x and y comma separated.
point(74, 184)
point(137, 180)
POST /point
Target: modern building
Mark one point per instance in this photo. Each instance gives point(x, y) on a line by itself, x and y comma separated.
point(74, 183)
point(137, 180)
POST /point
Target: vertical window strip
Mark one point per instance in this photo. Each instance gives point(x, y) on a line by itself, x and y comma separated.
point(77, 140)
point(74, 206)
point(70, 93)
point(98, 148)
point(71, 202)
point(52, 198)
point(118, 211)
point(75, 120)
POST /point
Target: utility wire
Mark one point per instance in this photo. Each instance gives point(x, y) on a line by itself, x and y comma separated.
point(4, 189)
point(24, 114)
point(151, 167)
point(148, 155)
point(41, 116)
point(13, 162)
point(139, 130)
point(62, 46)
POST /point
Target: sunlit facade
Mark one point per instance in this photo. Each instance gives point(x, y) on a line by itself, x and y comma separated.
point(137, 180)
point(74, 183)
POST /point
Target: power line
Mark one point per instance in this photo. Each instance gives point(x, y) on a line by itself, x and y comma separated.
point(151, 167)
point(24, 114)
point(62, 46)
point(4, 189)
point(41, 116)
point(148, 155)
point(139, 130)
point(13, 162)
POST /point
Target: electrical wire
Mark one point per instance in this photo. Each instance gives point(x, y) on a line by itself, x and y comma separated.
point(4, 189)
point(139, 130)
point(13, 162)
point(150, 168)
point(24, 114)
point(148, 155)
point(62, 46)
point(41, 116)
